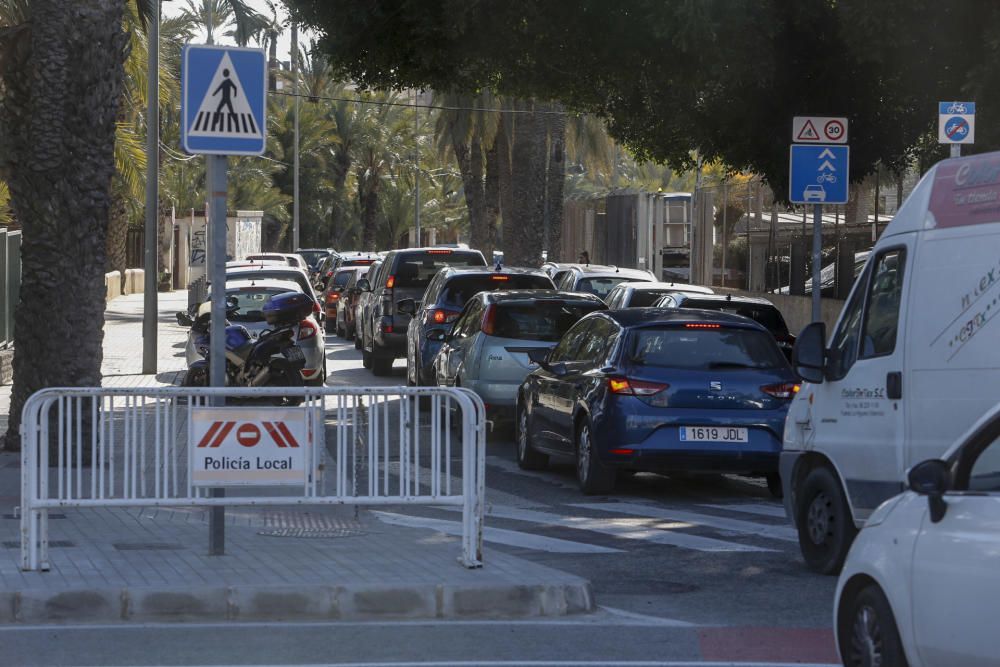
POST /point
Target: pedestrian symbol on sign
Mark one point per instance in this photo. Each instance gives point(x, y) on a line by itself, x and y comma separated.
point(224, 111)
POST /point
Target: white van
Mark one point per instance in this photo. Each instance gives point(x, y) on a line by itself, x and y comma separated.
point(912, 363)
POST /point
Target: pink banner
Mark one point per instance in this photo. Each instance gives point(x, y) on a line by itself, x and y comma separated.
point(967, 191)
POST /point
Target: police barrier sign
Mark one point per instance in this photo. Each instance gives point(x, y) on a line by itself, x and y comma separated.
point(258, 446)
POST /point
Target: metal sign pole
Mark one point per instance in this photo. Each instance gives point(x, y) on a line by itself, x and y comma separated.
point(150, 263)
point(817, 262)
point(217, 354)
point(956, 150)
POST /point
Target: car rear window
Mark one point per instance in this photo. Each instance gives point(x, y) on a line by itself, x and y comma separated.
point(646, 298)
point(293, 276)
point(357, 262)
point(599, 286)
point(340, 279)
point(251, 300)
point(767, 316)
point(417, 269)
point(704, 349)
point(460, 289)
point(542, 320)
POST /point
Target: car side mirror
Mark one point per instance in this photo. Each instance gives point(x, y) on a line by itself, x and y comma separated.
point(436, 335)
point(407, 307)
point(540, 356)
point(184, 319)
point(809, 354)
point(931, 478)
point(364, 285)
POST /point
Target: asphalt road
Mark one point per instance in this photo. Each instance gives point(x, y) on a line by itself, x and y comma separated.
point(683, 568)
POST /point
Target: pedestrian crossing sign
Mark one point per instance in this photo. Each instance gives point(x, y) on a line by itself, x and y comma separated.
point(223, 100)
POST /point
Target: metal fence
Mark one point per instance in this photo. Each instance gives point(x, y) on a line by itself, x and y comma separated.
point(10, 283)
point(130, 447)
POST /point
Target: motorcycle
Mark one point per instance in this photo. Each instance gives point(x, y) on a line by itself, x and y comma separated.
point(273, 359)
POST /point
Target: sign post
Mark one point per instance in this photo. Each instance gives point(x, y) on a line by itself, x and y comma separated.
point(818, 174)
point(956, 125)
point(223, 98)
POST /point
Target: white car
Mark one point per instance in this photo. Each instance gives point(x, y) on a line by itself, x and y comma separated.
point(921, 585)
point(814, 193)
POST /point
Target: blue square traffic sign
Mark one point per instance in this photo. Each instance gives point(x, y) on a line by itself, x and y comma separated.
point(818, 174)
point(223, 100)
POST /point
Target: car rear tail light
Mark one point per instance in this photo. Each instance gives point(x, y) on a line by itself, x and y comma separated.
point(782, 389)
point(701, 325)
point(500, 277)
point(307, 330)
point(332, 297)
point(390, 282)
point(439, 252)
point(441, 316)
point(386, 328)
point(489, 323)
point(629, 387)
point(621, 451)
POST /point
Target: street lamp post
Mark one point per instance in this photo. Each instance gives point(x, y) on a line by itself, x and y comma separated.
point(295, 148)
point(150, 264)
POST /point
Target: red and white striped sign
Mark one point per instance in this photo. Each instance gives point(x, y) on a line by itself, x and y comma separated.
point(238, 446)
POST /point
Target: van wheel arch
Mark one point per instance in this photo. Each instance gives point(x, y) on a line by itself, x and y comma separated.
point(809, 462)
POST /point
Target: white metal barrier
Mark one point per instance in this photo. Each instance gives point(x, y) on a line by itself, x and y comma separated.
point(129, 447)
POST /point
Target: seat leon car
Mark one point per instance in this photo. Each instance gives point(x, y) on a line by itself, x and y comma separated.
point(645, 389)
point(920, 585)
point(488, 349)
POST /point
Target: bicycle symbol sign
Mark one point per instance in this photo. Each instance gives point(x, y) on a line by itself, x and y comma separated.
point(956, 122)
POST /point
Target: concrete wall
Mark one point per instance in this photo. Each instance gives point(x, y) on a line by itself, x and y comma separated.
point(134, 281)
point(797, 310)
point(112, 284)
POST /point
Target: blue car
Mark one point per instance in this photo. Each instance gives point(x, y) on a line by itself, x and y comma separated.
point(646, 389)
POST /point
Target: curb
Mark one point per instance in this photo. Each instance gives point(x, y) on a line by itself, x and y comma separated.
point(297, 602)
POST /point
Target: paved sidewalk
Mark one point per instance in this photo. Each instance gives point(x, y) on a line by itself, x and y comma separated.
point(280, 563)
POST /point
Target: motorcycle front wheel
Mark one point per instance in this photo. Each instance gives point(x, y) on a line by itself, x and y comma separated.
point(284, 375)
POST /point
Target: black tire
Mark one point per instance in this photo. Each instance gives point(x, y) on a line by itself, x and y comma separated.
point(824, 521)
point(381, 366)
point(366, 358)
point(326, 327)
point(287, 377)
point(867, 632)
point(774, 485)
point(528, 458)
point(357, 341)
point(592, 476)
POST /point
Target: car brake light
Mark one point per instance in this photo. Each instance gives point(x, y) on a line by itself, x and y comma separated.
point(439, 252)
point(782, 389)
point(500, 277)
point(441, 316)
point(628, 387)
point(701, 325)
point(621, 451)
point(332, 296)
point(488, 325)
point(390, 282)
point(386, 328)
point(307, 330)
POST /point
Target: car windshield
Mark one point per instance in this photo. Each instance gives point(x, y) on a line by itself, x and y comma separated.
point(542, 320)
point(647, 297)
point(767, 316)
point(704, 349)
point(599, 286)
point(460, 289)
point(341, 278)
point(251, 300)
point(416, 269)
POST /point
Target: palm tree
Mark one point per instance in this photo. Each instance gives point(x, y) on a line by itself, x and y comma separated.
point(59, 118)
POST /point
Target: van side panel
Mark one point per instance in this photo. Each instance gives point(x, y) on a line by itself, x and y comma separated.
point(953, 348)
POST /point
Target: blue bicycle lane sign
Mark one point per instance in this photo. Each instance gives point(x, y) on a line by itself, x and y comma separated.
point(223, 100)
point(956, 122)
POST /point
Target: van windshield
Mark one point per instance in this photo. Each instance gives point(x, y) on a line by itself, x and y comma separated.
point(415, 269)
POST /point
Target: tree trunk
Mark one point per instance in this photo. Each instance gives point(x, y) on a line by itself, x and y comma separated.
point(491, 197)
point(555, 181)
point(59, 116)
point(369, 218)
point(341, 167)
point(528, 188)
point(117, 236)
point(505, 184)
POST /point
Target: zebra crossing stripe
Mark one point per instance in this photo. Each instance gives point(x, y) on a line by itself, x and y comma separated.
point(774, 532)
point(497, 535)
point(626, 528)
point(774, 511)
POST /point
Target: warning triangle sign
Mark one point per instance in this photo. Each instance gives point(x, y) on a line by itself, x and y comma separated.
point(808, 132)
point(224, 111)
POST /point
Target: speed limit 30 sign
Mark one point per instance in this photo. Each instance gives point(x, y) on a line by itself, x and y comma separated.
point(819, 130)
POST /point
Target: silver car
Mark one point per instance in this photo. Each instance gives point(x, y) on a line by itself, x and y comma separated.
point(251, 296)
point(642, 295)
point(487, 349)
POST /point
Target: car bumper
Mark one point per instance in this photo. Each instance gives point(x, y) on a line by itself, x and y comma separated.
point(425, 365)
point(390, 344)
point(663, 449)
point(495, 394)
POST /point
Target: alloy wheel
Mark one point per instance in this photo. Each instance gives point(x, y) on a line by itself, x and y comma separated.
point(583, 453)
point(867, 645)
point(522, 434)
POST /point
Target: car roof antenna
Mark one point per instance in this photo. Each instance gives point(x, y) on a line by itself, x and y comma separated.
point(499, 266)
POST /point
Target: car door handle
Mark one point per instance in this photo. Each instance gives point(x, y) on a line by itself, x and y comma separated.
point(894, 386)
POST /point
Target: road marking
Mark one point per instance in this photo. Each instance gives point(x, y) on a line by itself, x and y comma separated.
point(773, 532)
point(646, 619)
point(512, 467)
point(629, 529)
point(498, 535)
point(775, 511)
